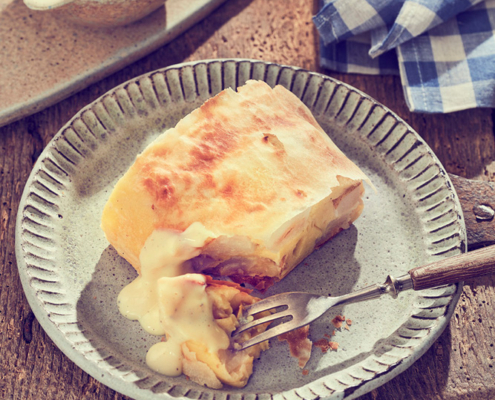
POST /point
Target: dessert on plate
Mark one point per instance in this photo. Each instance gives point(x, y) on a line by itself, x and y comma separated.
point(259, 174)
point(244, 187)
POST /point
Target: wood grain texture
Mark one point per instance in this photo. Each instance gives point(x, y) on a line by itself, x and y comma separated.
point(478, 204)
point(459, 365)
point(473, 264)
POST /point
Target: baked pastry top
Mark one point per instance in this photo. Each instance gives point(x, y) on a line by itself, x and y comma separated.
point(255, 170)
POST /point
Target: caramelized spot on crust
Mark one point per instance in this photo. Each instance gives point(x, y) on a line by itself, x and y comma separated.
point(281, 121)
point(262, 124)
point(273, 140)
point(207, 182)
point(162, 152)
point(215, 145)
point(211, 104)
point(256, 207)
point(161, 188)
point(227, 190)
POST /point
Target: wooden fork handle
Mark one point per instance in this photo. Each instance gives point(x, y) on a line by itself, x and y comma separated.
point(454, 269)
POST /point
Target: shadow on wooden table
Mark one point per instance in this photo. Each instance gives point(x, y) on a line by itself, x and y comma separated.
point(426, 378)
point(175, 52)
point(180, 49)
point(459, 365)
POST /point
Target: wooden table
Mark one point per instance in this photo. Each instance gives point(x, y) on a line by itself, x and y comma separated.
point(460, 365)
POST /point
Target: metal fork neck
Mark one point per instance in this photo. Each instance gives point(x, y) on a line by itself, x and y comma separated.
point(392, 286)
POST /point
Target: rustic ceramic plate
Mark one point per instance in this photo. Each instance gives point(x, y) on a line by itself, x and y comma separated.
point(72, 276)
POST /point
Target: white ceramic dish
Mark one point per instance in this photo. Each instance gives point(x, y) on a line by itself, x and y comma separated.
point(72, 276)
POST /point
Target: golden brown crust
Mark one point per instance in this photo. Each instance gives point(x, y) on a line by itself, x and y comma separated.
point(242, 164)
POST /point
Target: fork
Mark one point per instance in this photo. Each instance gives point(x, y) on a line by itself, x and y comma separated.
point(303, 308)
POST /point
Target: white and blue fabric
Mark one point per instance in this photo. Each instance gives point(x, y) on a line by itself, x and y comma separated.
point(443, 50)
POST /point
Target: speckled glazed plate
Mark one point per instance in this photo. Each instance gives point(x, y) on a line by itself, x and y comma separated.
point(72, 276)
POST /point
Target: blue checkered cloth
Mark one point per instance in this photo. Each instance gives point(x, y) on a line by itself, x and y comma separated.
point(443, 50)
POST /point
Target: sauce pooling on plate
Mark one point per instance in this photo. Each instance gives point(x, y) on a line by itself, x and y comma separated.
point(186, 314)
point(168, 300)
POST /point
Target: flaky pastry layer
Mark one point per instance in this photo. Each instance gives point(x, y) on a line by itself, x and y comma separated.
point(255, 169)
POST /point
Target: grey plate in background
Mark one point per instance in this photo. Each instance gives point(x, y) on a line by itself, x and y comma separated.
point(41, 67)
point(71, 276)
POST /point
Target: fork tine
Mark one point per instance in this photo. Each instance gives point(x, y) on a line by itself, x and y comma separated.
point(268, 303)
point(259, 321)
point(268, 334)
